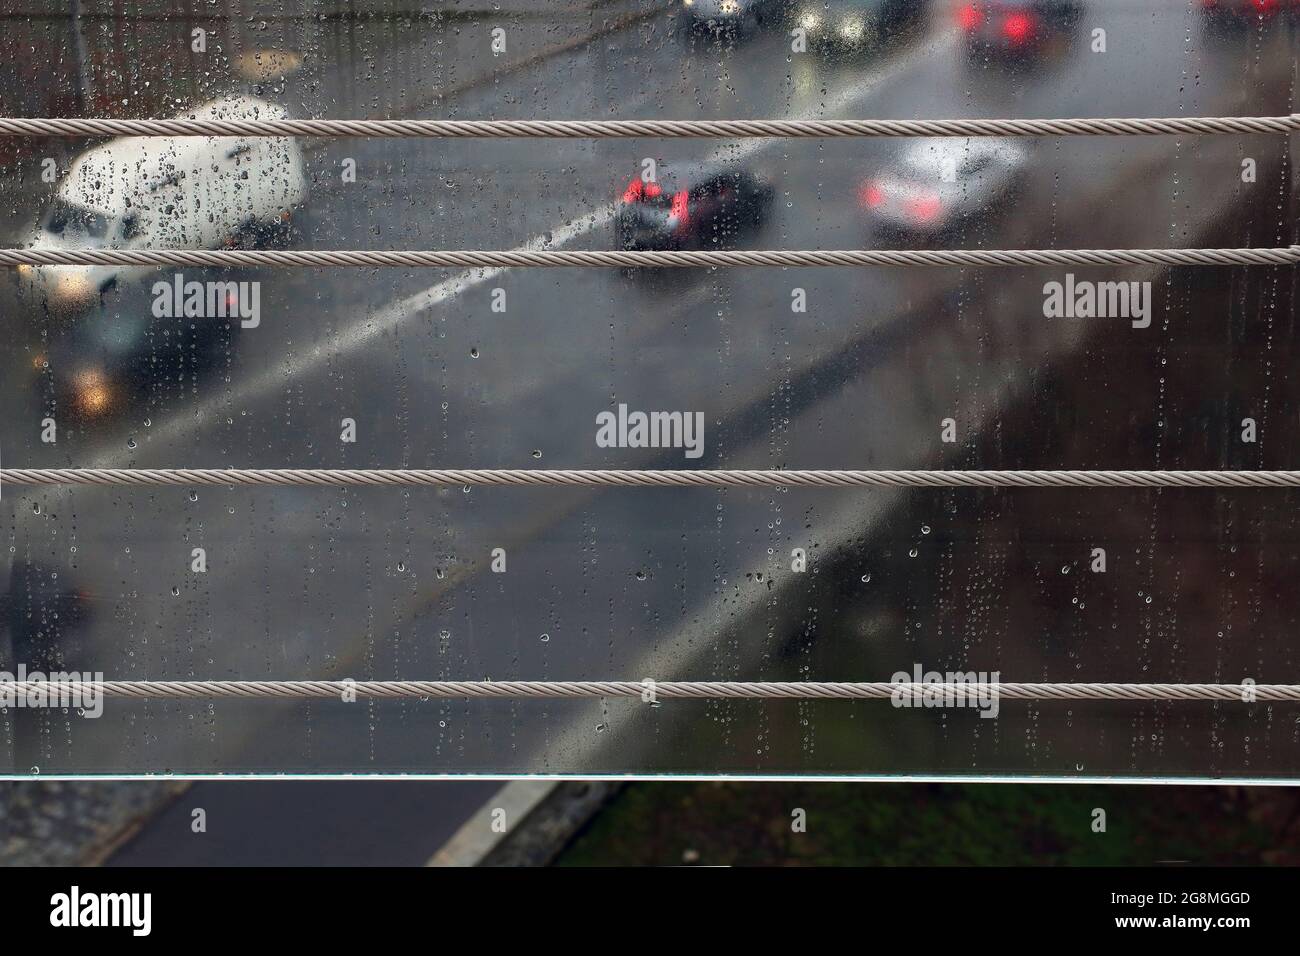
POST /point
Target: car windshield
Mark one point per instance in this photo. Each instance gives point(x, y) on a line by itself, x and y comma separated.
point(72, 219)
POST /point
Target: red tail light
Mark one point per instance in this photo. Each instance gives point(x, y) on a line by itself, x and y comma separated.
point(638, 190)
point(1266, 7)
point(925, 208)
point(1018, 27)
point(871, 195)
point(680, 209)
point(969, 16)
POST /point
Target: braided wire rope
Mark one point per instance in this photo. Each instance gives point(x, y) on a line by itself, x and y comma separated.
point(553, 258)
point(675, 129)
point(652, 478)
point(949, 692)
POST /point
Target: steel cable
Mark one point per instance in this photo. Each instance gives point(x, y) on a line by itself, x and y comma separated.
point(553, 258)
point(674, 129)
point(948, 691)
point(630, 478)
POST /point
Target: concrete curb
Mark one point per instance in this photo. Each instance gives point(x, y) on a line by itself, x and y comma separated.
point(541, 817)
point(491, 823)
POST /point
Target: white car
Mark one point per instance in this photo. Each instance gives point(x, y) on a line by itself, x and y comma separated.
point(183, 192)
point(939, 183)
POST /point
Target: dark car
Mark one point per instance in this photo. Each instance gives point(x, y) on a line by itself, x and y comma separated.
point(1235, 13)
point(702, 208)
point(1017, 28)
point(733, 17)
point(849, 26)
point(110, 361)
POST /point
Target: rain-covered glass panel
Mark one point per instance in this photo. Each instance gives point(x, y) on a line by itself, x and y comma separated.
point(129, 366)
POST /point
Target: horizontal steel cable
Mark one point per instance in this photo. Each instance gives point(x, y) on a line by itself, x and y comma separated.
point(469, 258)
point(653, 478)
point(705, 690)
point(644, 478)
point(675, 129)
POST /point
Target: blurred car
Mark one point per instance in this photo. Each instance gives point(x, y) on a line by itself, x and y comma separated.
point(938, 184)
point(732, 17)
point(95, 369)
point(854, 25)
point(697, 209)
point(1244, 12)
point(184, 192)
point(1017, 28)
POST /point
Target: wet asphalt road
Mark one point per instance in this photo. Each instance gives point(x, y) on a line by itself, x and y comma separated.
point(386, 584)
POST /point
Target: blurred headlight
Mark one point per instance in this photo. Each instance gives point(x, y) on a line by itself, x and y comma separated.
point(810, 21)
point(852, 28)
point(266, 65)
point(71, 286)
point(92, 393)
point(729, 7)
